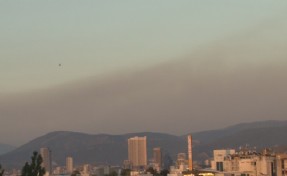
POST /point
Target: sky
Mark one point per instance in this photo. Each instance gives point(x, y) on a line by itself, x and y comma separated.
point(128, 66)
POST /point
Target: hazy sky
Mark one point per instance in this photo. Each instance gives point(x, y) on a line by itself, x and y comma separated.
point(127, 63)
point(96, 37)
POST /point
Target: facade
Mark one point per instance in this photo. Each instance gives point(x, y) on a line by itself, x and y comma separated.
point(219, 156)
point(69, 165)
point(182, 162)
point(137, 152)
point(181, 159)
point(47, 159)
point(281, 164)
point(157, 158)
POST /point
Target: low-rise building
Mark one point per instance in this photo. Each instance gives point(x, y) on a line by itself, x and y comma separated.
point(244, 163)
point(281, 164)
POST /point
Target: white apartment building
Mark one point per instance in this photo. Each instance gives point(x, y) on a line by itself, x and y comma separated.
point(244, 163)
point(281, 164)
point(219, 157)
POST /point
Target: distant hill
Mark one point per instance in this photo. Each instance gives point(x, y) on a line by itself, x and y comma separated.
point(214, 135)
point(5, 148)
point(112, 149)
point(86, 148)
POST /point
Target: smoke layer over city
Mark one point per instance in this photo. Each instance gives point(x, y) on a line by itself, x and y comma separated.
point(240, 78)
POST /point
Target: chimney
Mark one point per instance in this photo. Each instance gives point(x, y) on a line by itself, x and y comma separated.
point(189, 141)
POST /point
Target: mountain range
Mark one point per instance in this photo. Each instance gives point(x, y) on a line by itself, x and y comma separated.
point(112, 149)
point(5, 148)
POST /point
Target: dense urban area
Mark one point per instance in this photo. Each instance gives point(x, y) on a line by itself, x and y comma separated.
point(245, 161)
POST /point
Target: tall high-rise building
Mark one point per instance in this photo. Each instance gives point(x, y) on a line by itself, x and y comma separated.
point(189, 141)
point(47, 159)
point(137, 151)
point(157, 158)
point(69, 165)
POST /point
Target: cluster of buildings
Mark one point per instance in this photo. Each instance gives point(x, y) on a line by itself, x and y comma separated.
point(70, 168)
point(225, 162)
point(248, 162)
point(137, 156)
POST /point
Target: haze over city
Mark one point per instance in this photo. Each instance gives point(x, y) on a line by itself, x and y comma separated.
point(131, 66)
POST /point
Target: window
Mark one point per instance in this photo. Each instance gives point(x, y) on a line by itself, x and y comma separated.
point(219, 166)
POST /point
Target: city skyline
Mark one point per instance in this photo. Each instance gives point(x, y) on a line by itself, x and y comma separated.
point(267, 159)
point(143, 88)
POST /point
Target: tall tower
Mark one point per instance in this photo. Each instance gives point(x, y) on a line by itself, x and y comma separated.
point(189, 141)
point(47, 159)
point(157, 157)
point(69, 165)
point(137, 151)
